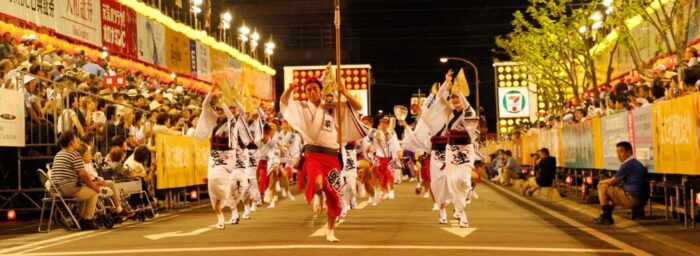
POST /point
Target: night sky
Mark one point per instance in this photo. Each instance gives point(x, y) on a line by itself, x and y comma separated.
point(402, 40)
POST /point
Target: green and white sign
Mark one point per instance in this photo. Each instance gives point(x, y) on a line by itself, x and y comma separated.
point(513, 102)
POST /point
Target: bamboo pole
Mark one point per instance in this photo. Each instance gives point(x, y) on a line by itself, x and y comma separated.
point(337, 72)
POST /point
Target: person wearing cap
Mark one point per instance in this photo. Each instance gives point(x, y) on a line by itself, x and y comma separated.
point(317, 120)
point(226, 183)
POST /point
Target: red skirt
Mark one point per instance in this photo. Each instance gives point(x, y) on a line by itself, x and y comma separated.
point(263, 179)
point(383, 173)
point(328, 168)
point(425, 169)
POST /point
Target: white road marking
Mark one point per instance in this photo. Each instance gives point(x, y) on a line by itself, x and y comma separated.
point(455, 229)
point(49, 241)
point(177, 234)
point(330, 247)
point(323, 230)
point(591, 231)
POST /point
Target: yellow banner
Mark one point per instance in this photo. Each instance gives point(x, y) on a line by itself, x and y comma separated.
point(177, 52)
point(179, 161)
point(219, 61)
point(597, 143)
point(530, 145)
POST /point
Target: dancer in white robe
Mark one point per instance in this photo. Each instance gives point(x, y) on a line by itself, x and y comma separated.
point(224, 183)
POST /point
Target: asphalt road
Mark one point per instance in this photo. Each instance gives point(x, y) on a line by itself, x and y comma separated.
point(502, 223)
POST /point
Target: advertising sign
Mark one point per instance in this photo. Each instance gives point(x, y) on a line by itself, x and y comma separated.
point(513, 102)
point(118, 28)
point(150, 41)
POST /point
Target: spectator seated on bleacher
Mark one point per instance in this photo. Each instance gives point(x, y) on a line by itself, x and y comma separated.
point(628, 188)
point(545, 169)
point(87, 154)
point(71, 178)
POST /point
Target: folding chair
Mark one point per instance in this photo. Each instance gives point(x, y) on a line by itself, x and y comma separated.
point(53, 196)
point(133, 187)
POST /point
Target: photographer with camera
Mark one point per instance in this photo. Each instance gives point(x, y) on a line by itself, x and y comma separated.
point(545, 169)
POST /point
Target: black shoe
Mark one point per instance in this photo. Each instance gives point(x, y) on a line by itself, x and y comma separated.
point(638, 213)
point(604, 220)
point(88, 224)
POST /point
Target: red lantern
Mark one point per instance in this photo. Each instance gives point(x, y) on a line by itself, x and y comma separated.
point(11, 214)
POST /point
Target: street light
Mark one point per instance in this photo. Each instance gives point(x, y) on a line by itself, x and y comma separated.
point(225, 23)
point(196, 10)
point(269, 50)
point(243, 32)
point(476, 72)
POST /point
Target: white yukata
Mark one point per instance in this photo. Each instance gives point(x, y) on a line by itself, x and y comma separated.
point(349, 178)
point(224, 183)
point(435, 118)
point(256, 132)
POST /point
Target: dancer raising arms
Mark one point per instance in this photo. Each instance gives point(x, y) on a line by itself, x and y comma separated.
point(317, 122)
point(225, 184)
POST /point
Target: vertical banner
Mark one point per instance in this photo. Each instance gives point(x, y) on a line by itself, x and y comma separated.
point(578, 149)
point(118, 28)
point(193, 58)
point(11, 118)
point(642, 134)
point(177, 53)
point(614, 129)
point(203, 61)
point(676, 136)
point(42, 13)
point(596, 139)
point(79, 19)
point(150, 41)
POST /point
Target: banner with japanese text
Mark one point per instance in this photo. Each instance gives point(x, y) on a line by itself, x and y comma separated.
point(80, 19)
point(177, 52)
point(42, 13)
point(203, 62)
point(614, 129)
point(641, 136)
point(119, 28)
point(181, 161)
point(676, 148)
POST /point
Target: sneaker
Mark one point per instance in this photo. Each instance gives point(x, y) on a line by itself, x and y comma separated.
point(463, 224)
point(604, 220)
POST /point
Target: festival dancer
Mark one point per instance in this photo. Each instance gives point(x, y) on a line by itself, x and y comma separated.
point(365, 164)
point(256, 131)
point(386, 148)
point(349, 176)
point(241, 139)
point(462, 126)
point(318, 123)
point(224, 183)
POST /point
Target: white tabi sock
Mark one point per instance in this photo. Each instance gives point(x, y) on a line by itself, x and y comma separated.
point(443, 214)
point(234, 214)
point(220, 218)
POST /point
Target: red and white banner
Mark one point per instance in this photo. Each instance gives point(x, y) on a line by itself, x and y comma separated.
point(118, 28)
point(114, 81)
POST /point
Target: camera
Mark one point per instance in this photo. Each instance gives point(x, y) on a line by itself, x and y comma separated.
point(534, 155)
